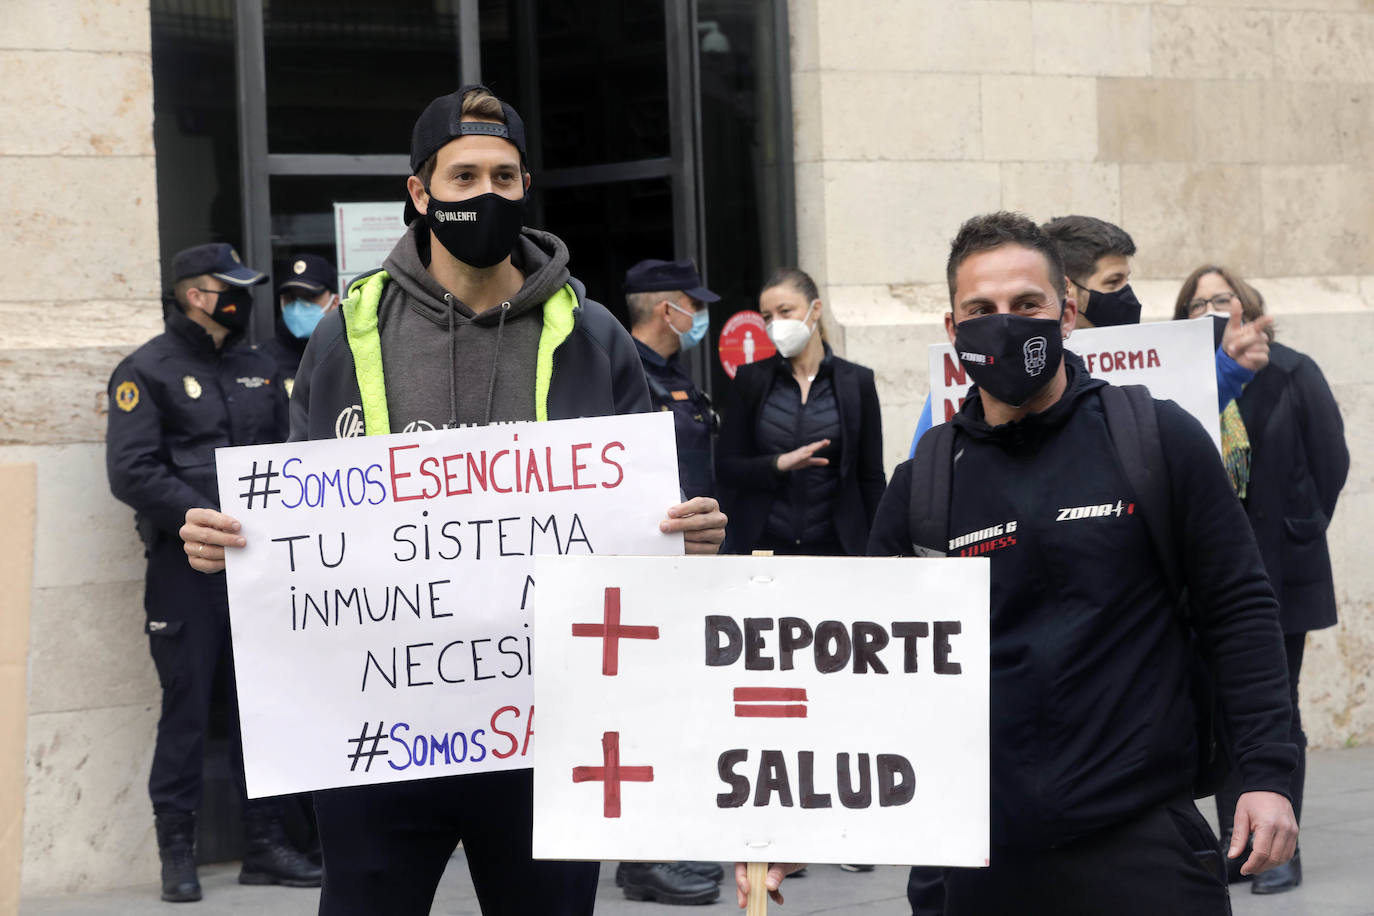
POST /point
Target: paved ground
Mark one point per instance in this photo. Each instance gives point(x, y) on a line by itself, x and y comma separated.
point(1338, 864)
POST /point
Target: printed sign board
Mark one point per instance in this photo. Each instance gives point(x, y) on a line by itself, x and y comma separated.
point(780, 709)
point(1176, 360)
point(382, 610)
point(364, 234)
point(743, 340)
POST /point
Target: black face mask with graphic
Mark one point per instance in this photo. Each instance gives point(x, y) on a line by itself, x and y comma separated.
point(1107, 310)
point(480, 231)
point(232, 308)
point(1011, 357)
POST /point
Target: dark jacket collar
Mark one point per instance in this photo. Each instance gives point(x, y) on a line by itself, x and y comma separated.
point(186, 330)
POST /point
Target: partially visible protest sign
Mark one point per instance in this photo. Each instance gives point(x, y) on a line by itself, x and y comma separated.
point(763, 709)
point(1176, 360)
point(382, 609)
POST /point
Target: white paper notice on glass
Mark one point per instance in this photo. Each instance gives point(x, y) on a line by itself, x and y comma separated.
point(778, 709)
point(382, 612)
point(364, 234)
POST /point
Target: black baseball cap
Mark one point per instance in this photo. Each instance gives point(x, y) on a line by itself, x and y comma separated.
point(219, 260)
point(312, 274)
point(442, 120)
point(654, 276)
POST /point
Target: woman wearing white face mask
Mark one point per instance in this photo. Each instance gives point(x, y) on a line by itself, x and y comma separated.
point(1283, 444)
point(799, 460)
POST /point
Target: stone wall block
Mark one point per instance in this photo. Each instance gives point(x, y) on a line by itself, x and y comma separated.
point(87, 822)
point(808, 117)
point(802, 26)
point(1146, 120)
point(1317, 122)
point(1184, 215)
point(1197, 42)
point(1318, 219)
point(1039, 118)
point(933, 36)
point(125, 324)
point(100, 243)
point(80, 25)
point(50, 105)
point(78, 517)
point(1091, 40)
point(900, 116)
point(870, 227)
point(97, 629)
point(1338, 47)
point(1228, 121)
point(55, 396)
point(1044, 190)
point(813, 244)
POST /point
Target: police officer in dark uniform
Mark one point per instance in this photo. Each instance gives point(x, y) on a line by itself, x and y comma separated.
point(191, 389)
point(669, 314)
point(308, 292)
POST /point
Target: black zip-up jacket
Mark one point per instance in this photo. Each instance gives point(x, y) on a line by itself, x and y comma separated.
point(1091, 716)
point(173, 401)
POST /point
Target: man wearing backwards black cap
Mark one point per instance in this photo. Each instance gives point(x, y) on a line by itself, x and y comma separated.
point(669, 315)
point(471, 320)
point(191, 389)
point(309, 290)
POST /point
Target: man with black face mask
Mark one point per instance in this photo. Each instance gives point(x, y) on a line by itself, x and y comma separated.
point(473, 319)
point(193, 388)
point(1091, 721)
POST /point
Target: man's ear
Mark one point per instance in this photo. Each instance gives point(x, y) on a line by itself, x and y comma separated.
point(1068, 316)
point(528, 181)
point(949, 325)
point(418, 195)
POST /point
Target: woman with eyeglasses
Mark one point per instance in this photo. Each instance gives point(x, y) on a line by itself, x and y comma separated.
point(1283, 444)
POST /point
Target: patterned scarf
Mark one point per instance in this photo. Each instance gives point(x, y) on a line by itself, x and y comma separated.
point(1235, 448)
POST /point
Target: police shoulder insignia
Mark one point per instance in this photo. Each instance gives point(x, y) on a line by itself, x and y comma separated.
point(290, 385)
point(191, 385)
point(126, 396)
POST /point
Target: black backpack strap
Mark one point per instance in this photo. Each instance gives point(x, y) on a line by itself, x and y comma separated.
point(932, 473)
point(1134, 428)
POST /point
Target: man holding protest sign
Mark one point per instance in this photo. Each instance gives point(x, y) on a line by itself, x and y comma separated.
point(1093, 738)
point(472, 320)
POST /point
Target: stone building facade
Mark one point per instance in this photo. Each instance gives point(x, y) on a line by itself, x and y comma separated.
point(1237, 131)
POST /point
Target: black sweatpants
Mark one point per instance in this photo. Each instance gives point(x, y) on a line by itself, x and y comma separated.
point(386, 846)
point(1165, 860)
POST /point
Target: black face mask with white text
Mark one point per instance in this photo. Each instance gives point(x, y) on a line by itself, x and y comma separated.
point(480, 231)
point(1010, 357)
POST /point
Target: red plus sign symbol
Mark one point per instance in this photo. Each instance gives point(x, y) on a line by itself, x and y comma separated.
point(612, 632)
point(612, 774)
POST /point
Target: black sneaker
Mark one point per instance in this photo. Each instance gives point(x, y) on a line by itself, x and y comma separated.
point(857, 867)
point(667, 882)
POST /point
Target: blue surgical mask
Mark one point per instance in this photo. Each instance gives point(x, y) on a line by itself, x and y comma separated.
point(301, 317)
point(697, 332)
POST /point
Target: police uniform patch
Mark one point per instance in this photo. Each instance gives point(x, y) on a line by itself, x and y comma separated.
point(253, 381)
point(191, 385)
point(290, 385)
point(126, 396)
point(680, 395)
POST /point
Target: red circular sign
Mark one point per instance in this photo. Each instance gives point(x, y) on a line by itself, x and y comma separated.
point(743, 340)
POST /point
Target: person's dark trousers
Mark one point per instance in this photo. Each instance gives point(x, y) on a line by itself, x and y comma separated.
point(925, 890)
point(1164, 860)
point(188, 636)
point(386, 846)
point(1226, 798)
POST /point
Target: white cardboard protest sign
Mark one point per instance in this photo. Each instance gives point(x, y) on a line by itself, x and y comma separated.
point(1176, 360)
point(781, 709)
point(382, 610)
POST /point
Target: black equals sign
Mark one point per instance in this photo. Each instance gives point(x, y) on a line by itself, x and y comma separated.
point(770, 703)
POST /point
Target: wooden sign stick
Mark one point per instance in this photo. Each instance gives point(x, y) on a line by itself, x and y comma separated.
point(757, 872)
